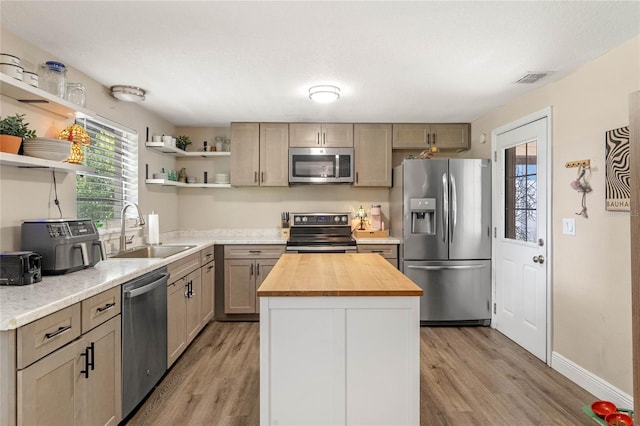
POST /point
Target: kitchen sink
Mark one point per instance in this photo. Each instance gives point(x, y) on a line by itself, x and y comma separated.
point(149, 252)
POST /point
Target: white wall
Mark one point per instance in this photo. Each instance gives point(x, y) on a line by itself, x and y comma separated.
point(591, 270)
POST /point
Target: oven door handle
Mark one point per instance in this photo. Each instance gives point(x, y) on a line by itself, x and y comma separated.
point(322, 249)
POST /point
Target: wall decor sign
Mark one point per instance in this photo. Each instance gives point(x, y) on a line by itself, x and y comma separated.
point(617, 172)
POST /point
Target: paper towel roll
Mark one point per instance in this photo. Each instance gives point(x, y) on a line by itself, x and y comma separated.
point(154, 228)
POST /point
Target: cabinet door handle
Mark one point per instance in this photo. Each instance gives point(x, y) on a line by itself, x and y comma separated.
point(251, 270)
point(262, 177)
point(257, 269)
point(59, 331)
point(318, 138)
point(106, 307)
point(434, 139)
point(356, 177)
point(428, 139)
point(324, 138)
point(255, 177)
point(92, 363)
point(85, 354)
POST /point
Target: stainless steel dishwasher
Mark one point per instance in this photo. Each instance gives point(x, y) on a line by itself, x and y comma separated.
point(144, 336)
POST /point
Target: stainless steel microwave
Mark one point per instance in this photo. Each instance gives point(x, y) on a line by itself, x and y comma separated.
point(320, 165)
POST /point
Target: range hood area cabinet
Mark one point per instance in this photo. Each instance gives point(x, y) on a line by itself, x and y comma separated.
point(316, 135)
point(259, 154)
point(446, 137)
point(372, 147)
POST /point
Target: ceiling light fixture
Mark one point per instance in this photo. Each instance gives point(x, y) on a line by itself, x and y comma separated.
point(324, 94)
point(128, 93)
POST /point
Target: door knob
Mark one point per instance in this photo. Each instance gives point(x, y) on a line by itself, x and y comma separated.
point(538, 259)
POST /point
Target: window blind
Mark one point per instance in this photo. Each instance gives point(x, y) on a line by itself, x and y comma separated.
point(113, 155)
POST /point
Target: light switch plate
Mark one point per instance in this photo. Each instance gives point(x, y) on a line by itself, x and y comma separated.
point(568, 226)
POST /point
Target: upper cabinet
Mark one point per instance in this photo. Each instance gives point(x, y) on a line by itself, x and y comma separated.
point(372, 143)
point(259, 154)
point(316, 135)
point(450, 137)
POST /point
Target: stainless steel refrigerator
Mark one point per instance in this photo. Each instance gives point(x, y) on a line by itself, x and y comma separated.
point(441, 211)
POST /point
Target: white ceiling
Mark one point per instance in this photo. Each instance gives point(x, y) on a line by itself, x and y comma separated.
point(208, 63)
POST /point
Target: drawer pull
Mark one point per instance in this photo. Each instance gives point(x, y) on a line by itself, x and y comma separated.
point(209, 254)
point(59, 331)
point(106, 307)
point(255, 251)
point(210, 268)
point(377, 251)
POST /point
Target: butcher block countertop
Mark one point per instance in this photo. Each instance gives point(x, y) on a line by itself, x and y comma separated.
point(343, 274)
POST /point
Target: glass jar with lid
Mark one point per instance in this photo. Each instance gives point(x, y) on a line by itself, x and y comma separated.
point(76, 94)
point(53, 78)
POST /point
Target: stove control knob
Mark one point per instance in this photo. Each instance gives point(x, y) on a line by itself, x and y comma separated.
point(344, 219)
point(296, 219)
point(304, 218)
point(336, 219)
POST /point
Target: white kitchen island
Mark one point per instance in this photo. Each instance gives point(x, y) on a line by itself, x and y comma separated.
point(339, 342)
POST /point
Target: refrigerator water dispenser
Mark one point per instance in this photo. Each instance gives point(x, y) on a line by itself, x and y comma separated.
point(423, 216)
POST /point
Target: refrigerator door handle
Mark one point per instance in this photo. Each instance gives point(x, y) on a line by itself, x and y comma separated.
point(454, 209)
point(440, 268)
point(445, 207)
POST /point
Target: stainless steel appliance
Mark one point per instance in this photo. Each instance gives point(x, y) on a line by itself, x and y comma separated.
point(321, 165)
point(144, 336)
point(66, 245)
point(320, 233)
point(441, 210)
point(20, 268)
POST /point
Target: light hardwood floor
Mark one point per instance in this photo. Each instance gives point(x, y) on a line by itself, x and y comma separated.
point(468, 376)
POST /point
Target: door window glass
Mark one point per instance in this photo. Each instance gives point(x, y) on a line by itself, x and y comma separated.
point(521, 191)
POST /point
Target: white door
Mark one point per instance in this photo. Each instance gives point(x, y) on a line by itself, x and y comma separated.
point(521, 237)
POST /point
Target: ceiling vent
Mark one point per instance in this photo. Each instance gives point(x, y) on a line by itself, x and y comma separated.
point(533, 77)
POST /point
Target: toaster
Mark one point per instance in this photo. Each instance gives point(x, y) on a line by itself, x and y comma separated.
point(66, 245)
point(20, 268)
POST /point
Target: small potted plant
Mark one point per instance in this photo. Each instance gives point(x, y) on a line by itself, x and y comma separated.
point(182, 142)
point(13, 130)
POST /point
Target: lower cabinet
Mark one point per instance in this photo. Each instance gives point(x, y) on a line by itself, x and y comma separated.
point(388, 251)
point(245, 267)
point(189, 301)
point(79, 383)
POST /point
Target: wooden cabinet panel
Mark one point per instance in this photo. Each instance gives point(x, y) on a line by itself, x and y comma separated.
point(192, 299)
point(241, 251)
point(208, 286)
point(176, 320)
point(315, 135)
point(183, 267)
point(448, 137)
point(51, 390)
point(411, 136)
point(372, 143)
point(47, 334)
point(451, 136)
point(63, 389)
point(263, 267)
point(245, 154)
point(388, 251)
point(239, 286)
point(100, 308)
point(274, 154)
point(104, 385)
point(206, 255)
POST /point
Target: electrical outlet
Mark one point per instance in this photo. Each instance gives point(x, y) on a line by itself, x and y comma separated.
point(568, 226)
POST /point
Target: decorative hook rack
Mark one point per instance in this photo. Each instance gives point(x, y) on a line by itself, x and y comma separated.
point(583, 163)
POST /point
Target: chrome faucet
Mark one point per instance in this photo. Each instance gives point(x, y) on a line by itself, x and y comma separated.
point(123, 237)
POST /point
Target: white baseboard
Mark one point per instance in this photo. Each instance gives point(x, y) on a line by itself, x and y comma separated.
point(590, 382)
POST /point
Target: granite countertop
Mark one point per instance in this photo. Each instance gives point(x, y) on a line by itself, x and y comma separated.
point(20, 305)
point(348, 274)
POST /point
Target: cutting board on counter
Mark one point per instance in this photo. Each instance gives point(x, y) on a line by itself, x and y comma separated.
point(370, 234)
